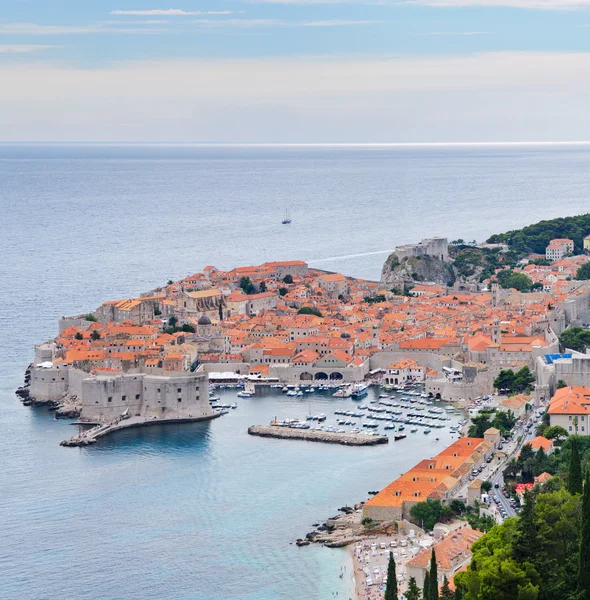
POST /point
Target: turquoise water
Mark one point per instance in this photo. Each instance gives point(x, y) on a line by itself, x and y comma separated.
point(205, 511)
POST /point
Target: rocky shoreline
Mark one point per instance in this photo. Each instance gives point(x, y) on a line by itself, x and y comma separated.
point(67, 408)
point(344, 529)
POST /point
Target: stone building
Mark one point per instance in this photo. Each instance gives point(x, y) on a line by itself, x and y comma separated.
point(436, 246)
point(570, 409)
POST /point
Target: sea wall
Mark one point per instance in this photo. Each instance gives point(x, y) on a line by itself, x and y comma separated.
point(327, 437)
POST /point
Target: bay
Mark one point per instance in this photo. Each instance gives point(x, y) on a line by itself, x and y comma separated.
point(203, 512)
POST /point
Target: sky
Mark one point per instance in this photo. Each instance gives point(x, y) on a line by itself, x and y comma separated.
point(295, 71)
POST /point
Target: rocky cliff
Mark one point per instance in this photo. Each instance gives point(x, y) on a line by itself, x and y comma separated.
point(409, 271)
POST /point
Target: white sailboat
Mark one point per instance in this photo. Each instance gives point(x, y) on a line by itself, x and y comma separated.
point(287, 218)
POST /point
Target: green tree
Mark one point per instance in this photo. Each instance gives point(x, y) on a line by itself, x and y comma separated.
point(555, 432)
point(523, 380)
point(426, 514)
point(511, 279)
point(505, 380)
point(433, 591)
point(480, 425)
point(574, 475)
point(95, 335)
point(391, 585)
point(90, 317)
point(575, 338)
point(262, 286)
point(526, 462)
point(486, 486)
point(457, 506)
point(583, 272)
point(79, 336)
point(426, 586)
point(445, 590)
point(511, 469)
point(557, 518)
point(504, 421)
point(246, 285)
point(283, 291)
point(584, 552)
point(309, 310)
point(288, 279)
point(413, 591)
point(187, 328)
point(172, 321)
point(541, 462)
point(525, 542)
point(561, 383)
point(157, 311)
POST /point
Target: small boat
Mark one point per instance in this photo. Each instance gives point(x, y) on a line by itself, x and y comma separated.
point(399, 436)
point(292, 393)
point(234, 405)
point(426, 430)
point(245, 394)
point(287, 218)
point(414, 429)
point(360, 390)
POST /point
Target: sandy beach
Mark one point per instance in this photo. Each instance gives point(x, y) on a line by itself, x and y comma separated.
point(370, 559)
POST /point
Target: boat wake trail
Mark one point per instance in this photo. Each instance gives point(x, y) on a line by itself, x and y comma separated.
point(347, 256)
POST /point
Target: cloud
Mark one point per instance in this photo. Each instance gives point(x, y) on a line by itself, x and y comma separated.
point(524, 4)
point(337, 23)
point(22, 48)
point(505, 96)
point(251, 23)
point(170, 12)
point(37, 29)
point(453, 33)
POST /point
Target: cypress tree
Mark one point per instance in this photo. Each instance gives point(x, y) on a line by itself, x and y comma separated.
point(433, 591)
point(391, 586)
point(524, 547)
point(445, 590)
point(413, 591)
point(426, 588)
point(584, 559)
point(574, 478)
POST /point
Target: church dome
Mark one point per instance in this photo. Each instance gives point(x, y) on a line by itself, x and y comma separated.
point(204, 320)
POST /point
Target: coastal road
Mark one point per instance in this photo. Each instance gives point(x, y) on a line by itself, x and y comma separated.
point(511, 450)
point(494, 471)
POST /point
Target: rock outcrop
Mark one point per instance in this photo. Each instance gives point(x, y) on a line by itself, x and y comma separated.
point(402, 274)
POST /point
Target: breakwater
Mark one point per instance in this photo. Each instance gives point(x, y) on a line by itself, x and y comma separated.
point(327, 437)
point(90, 436)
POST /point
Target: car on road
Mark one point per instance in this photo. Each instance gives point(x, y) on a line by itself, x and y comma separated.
point(496, 485)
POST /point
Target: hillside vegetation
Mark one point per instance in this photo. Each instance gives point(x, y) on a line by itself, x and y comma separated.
point(535, 238)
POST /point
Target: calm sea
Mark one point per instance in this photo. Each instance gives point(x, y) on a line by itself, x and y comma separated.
point(205, 512)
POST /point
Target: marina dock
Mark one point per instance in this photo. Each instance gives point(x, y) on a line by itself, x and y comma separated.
point(327, 437)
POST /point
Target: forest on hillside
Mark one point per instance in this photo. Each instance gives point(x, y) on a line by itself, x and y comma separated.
point(535, 238)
